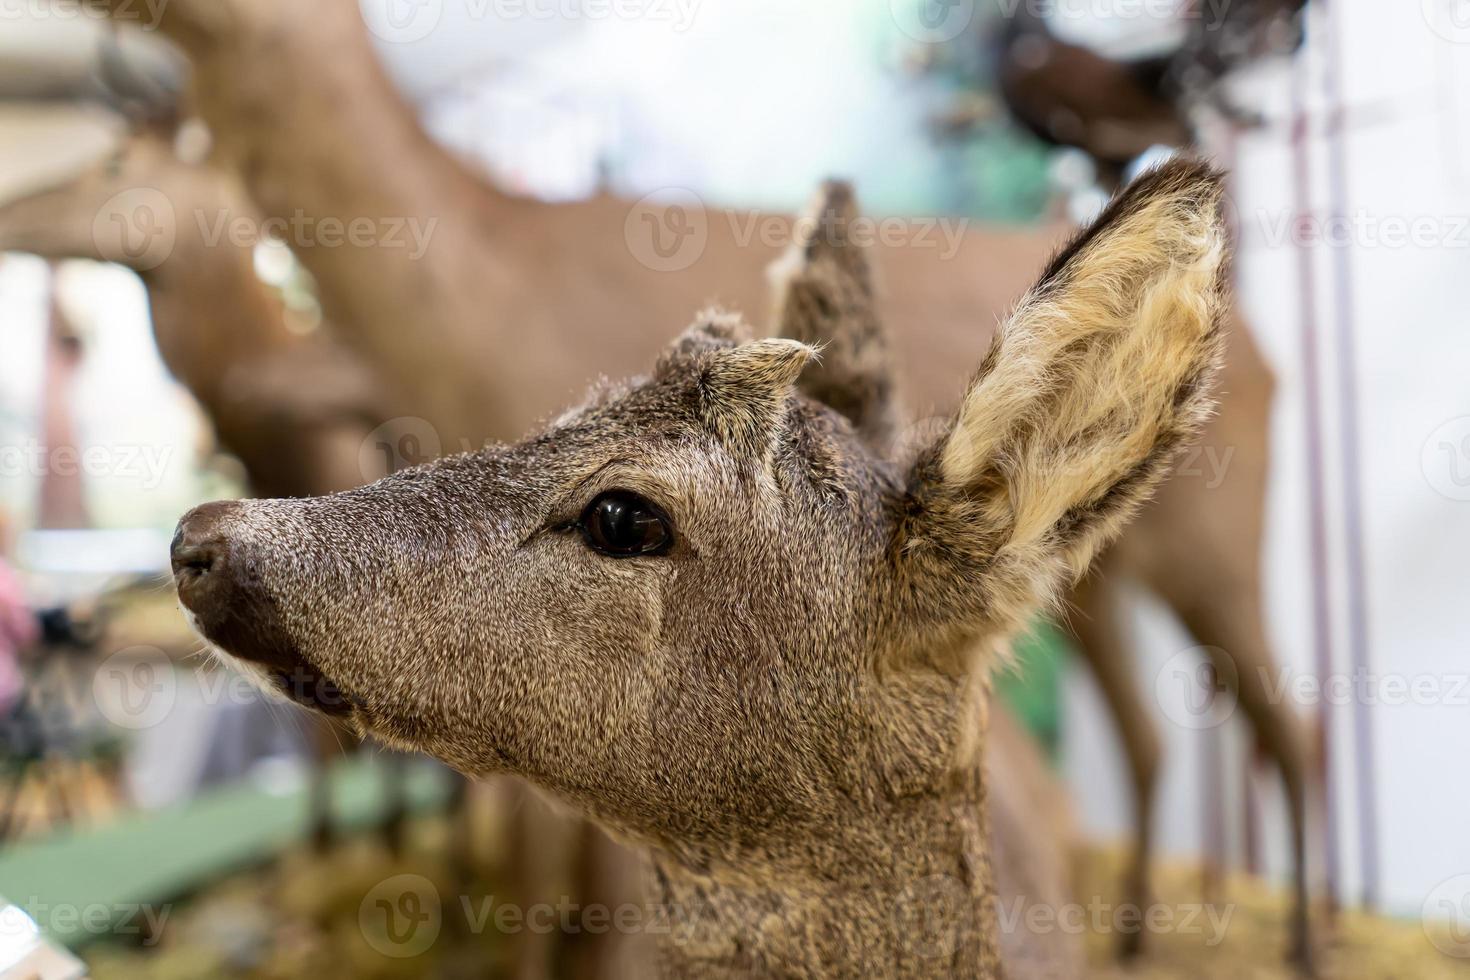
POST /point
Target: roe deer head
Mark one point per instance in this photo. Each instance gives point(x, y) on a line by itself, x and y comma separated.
point(705, 609)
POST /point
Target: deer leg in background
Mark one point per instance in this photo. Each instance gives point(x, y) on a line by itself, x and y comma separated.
point(62, 502)
point(1093, 622)
point(608, 877)
point(394, 777)
point(1250, 808)
point(1231, 624)
point(539, 839)
point(461, 831)
point(320, 806)
point(1197, 545)
point(1213, 834)
point(54, 778)
point(10, 794)
point(322, 748)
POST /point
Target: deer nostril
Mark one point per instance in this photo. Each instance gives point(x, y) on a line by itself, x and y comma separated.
point(216, 568)
point(195, 558)
point(198, 546)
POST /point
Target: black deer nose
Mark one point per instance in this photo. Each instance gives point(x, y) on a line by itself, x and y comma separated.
point(221, 578)
point(199, 554)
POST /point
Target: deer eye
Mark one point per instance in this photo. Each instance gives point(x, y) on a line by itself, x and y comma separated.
point(623, 524)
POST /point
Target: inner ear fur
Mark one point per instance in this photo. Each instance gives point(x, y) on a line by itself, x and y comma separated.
point(746, 391)
point(744, 388)
point(1102, 373)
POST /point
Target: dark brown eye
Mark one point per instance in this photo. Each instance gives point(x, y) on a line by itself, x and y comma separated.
point(623, 524)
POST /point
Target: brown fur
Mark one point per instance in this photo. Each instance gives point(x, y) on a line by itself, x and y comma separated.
point(781, 708)
point(826, 295)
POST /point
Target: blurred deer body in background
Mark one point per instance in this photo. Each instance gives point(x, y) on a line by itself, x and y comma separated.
point(1224, 37)
point(1114, 109)
point(294, 409)
point(479, 287)
point(628, 606)
point(1197, 547)
point(1068, 95)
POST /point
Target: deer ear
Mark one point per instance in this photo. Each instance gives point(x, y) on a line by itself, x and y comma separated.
point(824, 296)
point(712, 329)
point(745, 390)
point(1100, 374)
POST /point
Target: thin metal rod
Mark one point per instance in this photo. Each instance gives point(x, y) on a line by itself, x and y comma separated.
point(1316, 483)
point(1349, 403)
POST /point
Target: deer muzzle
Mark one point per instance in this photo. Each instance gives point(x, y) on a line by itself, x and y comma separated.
point(220, 584)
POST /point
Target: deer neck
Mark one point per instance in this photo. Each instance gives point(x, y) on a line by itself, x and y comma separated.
point(212, 316)
point(900, 889)
point(324, 144)
point(321, 136)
